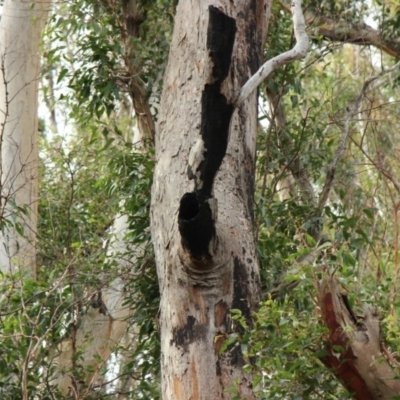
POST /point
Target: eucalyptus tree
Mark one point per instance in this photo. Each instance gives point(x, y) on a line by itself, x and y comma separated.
point(21, 28)
point(202, 196)
point(204, 250)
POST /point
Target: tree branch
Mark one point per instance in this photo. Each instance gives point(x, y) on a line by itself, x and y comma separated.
point(348, 32)
point(128, 20)
point(353, 347)
point(295, 165)
point(298, 52)
point(352, 111)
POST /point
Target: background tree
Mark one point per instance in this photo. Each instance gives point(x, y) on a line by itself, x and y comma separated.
point(20, 71)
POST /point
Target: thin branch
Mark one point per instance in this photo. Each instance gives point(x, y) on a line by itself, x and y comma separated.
point(378, 165)
point(298, 52)
point(352, 110)
point(6, 114)
point(294, 164)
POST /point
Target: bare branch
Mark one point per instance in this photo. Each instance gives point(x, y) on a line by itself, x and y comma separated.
point(295, 165)
point(298, 52)
point(352, 111)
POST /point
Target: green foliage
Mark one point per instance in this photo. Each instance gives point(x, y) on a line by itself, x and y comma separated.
point(84, 183)
point(348, 234)
point(283, 349)
point(102, 57)
point(92, 176)
point(32, 322)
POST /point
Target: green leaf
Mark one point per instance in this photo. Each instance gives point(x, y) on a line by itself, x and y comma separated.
point(62, 74)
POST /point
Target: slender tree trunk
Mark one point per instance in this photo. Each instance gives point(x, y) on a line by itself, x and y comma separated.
point(100, 329)
point(21, 26)
point(202, 196)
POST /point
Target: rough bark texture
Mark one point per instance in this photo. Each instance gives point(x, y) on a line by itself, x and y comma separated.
point(20, 33)
point(354, 348)
point(202, 196)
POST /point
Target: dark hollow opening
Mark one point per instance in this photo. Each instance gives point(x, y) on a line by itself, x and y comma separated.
point(189, 207)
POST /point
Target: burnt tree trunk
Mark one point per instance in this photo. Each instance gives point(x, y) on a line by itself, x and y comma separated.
point(202, 196)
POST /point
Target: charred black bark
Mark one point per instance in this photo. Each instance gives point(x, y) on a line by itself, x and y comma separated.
point(196, 219)
point(220, 39)
point(216, 113)
point(241, 292)
point(192, 331)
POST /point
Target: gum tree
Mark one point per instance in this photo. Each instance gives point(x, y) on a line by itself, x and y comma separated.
point(20, 73)
point(202, 196)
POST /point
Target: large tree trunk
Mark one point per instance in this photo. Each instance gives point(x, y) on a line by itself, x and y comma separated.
point(21, 26)
point(206, 255)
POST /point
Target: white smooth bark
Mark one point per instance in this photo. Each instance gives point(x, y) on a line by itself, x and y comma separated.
point(21, 26)
point(298, 52)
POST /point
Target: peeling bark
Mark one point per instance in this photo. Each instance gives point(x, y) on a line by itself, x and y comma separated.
point(353, 347)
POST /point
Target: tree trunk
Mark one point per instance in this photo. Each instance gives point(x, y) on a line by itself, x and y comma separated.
point(100, 329)
point(205, 151)
point(21, 26)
